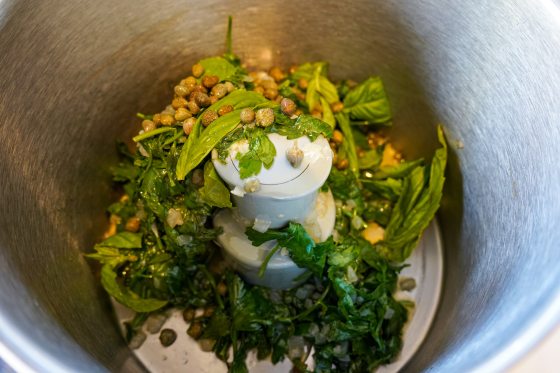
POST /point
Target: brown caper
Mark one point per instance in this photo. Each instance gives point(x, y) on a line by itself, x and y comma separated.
point(259, 90)
point(198, 177)
point(195, 330)
point(337, 137)
point(288, 106)
point(277, 74)
point(303, 83)
point(188, 125)
point(189, 314)
point(229, 86)
point(178, 102)
point(225, 109)
point(167, 337)
point(197, 70)
point(208, 117)
point(219, 90)
point(189, 80)
point(342, 164)
point(167, 119)
point(181, 114)
point(181, 90)
point(202, 99)
point(337, 107)
point(213, 100)
point(247, 116)
point(209, 311)
point(193, 107)
point(264, 117)
point(148, 125)
point(271, 93)
point(210, 80)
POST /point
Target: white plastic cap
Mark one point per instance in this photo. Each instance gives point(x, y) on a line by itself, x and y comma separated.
point(285, 193)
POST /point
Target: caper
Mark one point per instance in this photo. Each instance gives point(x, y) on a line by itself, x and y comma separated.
point(197, 70)
point(288, 106)
point(264, 117)
point(167, 337)
point(208, 117)
point(247, 115)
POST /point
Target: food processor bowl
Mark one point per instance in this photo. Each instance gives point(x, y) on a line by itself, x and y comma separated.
point(73, 74)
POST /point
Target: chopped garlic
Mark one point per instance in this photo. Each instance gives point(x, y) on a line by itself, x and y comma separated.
point(261, 225)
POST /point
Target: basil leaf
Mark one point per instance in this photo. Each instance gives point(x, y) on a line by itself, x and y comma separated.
point(194, 150)
point(110, 255)
point(218, 66)
point(125, 296)
point(307, 70)
point(371, 159)
point(416, 207)
point(214, 192)
point(348, 144)
point(305, 125)
point(368, 101)
point(399, 171)
point(388, 188)
point(124, 240)
point(321, 92)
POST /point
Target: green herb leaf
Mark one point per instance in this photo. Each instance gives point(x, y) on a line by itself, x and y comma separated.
point(397, 172)
point(214, 192)
point(303, 250)
point(416, 206)
point(124, 240)
point(218, 66)
point(306, 125)
point(368, 101)
point(371, 159)
point(261, 152)
point(200, 143)
point(125, 296)
point(348, 144)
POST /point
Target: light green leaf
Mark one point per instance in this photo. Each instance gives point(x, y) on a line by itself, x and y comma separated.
point(214, 192)
point(125, 296)
point(371, 159)
point(195, 149)
point(368, 102)
point(348, 144)
point(218, 66)
point(416, 206)
point(124, 240)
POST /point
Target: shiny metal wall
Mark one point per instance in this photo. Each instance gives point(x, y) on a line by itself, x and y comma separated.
point(74, 73)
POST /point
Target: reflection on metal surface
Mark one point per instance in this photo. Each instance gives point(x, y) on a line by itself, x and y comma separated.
point(74, 73)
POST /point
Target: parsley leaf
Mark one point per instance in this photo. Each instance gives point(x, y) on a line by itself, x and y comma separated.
point(261, 152)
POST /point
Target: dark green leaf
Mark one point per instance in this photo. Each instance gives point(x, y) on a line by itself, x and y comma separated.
point(303, 250)
point(125, 296)
point(214, 192)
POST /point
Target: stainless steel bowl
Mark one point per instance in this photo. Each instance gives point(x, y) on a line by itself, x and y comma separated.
point(74, 73)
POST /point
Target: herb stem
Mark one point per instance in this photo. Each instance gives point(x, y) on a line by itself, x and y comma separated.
point(264, 264)
point(152, 133)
